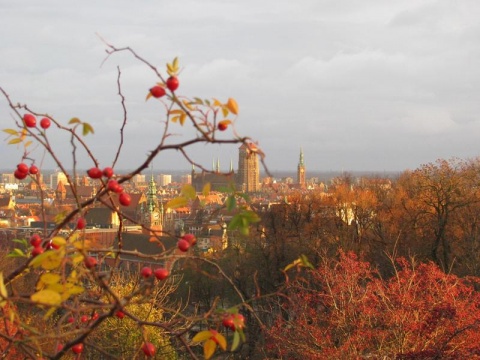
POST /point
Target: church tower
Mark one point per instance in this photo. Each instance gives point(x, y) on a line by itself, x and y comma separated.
point(301, 171)
point(152, 213)
point(248, 168)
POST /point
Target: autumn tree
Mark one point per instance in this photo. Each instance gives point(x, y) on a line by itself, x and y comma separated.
point(344, 309)
point(76, 296)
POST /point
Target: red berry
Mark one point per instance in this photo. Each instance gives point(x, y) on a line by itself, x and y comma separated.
point(90, 262)
point(29, 120)
point(84, 318)
point(172, 83)
point(95, 316)
point(161, 273)
point(59, 347)
point(37, 250)
point(120, 314)
point(112, 185)
point(228, 322)
point(22, 167)
point(19, 175)
point(183, 245)
point(108, 172)
point(81, 223)
point(45, 123)
point(95, 173)
point(192, 240)
point(157, 91)
point(35, 240)
point(222, 126)
point(33, 170)
point(71, 320)
point(125, 199)
point(146, 272)
point(148, 349)
point(77, 348)
point(239, 321)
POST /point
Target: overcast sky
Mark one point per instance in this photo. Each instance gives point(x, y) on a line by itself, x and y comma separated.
point(374, 85)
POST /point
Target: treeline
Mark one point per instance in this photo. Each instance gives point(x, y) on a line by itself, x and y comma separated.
point(428, 216)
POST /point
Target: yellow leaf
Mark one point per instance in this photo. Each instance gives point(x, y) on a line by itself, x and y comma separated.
point(74, 120)
point(27, 144)
point(47, 297)
point(176, 112)
point(177, 202)
point(170, 68)
point(175, 118)
point(216, 102)
point(15, 141)
point(87, 128)
point(202, 336)
point(175, 64)
point(188, 105)
point(59, 217)
point(10, 131)
point(50, 278)
point(188, 191)
point(3, 288)
point(206, 189)
point(222, 342)
point(209, 348)
point(224, 111)
point(59, 241)
point(53, 259)
point(149, 95)
point(182, 118)
point(82, 244)
point(232, 106)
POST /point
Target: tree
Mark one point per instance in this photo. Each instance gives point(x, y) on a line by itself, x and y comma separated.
point(343, 309)
point(74, 277)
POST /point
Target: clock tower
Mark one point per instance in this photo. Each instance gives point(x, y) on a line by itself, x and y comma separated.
point(153, 212)
point(301, 171)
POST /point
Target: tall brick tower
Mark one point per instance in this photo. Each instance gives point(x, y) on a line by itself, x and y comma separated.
point(248, 177)
point(301, 171)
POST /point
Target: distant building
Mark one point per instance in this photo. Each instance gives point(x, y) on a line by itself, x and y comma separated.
point(164, 180)
point(248, 177)
point(56, 178)
point(215, 178)
point(186, 179)
point(301, 171)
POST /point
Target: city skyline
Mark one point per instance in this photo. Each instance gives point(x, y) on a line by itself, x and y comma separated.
point(359, 86)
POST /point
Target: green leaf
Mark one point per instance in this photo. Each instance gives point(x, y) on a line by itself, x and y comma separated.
point(20, 241)
point(230, 203)
point(236, 341)
point(305, 261)
point(87, 128)
point(15, 253)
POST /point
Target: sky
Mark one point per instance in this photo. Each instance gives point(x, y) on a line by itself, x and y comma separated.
point(371, 85)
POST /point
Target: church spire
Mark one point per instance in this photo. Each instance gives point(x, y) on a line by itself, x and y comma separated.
point(301, 162)
point(301, 170)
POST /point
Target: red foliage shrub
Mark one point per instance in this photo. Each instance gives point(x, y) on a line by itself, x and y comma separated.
point(344, 309)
